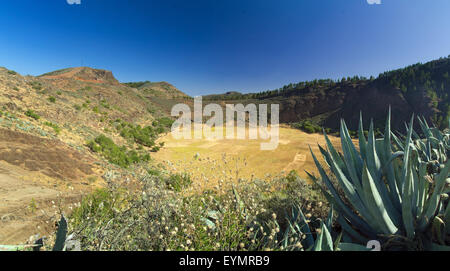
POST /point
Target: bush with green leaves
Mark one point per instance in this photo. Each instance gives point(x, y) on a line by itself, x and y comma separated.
point(395, 189)
point(115, 154)
point(307, 126)
point(178, 182)
point(144, 136)
point(30, 113)
point(163, 122)
point(36, 85)
point(55, 127)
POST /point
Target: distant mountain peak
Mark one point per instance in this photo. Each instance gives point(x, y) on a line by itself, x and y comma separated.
point(85, 74)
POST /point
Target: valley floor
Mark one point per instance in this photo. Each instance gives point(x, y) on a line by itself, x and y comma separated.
point(209, 161)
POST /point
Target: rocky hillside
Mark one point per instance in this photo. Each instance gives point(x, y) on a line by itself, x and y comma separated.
point(82, 103)
point(65, 133)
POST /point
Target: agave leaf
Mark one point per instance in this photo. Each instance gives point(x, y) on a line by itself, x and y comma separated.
point(387, 166)
point(347, 186)
point(406, 159)
point(338, 241)
point(362, 139)
point(324, 242)
point(375, 204)
point(425, 128)
point(397, 142)
point(427, 132)
point(351, 232)
point(416, 186)
point(325, 155)
point(373, 162)
point(329, 221)
point(407, 215)
point(350, 148)
point(436, 247)
point(433, 201)
point(298, 226)
point(61, 235)
point(447, 219)
point(338, 202)
point(352, 247)
point(351, 157)
point(304, 228)
point(438, 230)
point(393, 157)
point(374, 166)
point(423, 187)
point(334, 154)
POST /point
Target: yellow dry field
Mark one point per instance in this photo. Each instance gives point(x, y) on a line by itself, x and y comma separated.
point(211, 161)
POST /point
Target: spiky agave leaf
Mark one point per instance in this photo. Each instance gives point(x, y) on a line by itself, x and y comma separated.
point(386, 185)
point(61, 235)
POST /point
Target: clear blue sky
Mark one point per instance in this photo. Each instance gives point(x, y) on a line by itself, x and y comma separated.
point(211, 46)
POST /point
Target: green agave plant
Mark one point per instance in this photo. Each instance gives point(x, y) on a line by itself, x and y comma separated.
point(394, 189)
point(61, 243)
point(299, 232)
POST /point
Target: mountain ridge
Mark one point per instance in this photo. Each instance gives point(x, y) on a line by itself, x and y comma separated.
point(420, 88)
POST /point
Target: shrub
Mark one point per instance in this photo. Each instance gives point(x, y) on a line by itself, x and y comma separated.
point(307, 126)
point(52, 99)
point(54, 126)
point(36, 85)
point(32, 114)
point(115, 154)
point(163, 122)
point(178, 182)
point(105, 104)
point(144, 136)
